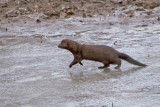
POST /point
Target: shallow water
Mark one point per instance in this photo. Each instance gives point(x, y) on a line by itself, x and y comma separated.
point(34, 71)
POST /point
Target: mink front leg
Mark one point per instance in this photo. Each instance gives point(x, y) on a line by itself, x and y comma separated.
point(77, 59)
point(80, 63)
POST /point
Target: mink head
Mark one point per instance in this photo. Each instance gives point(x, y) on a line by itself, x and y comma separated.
point(69, 45)
point(63, 44)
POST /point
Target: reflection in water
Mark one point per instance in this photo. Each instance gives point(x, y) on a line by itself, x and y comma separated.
point(104, 75)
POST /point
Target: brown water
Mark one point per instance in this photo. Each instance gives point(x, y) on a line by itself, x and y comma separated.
point(34, 72)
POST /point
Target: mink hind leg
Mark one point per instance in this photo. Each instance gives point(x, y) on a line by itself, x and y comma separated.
point(118, 62)
point(106, 65)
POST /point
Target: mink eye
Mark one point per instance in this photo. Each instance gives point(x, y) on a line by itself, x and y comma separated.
point(64, 44)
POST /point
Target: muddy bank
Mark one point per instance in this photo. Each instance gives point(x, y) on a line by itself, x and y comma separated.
point(50, 9)
point(22, 15)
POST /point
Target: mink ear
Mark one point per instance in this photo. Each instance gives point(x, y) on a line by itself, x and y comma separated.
point(75, 47)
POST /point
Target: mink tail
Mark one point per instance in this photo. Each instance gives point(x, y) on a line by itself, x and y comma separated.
point(129, 59)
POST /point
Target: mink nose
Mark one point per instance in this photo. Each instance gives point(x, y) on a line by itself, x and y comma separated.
point(59, 46)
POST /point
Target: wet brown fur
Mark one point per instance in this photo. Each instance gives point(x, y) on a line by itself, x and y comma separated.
point(100, 53)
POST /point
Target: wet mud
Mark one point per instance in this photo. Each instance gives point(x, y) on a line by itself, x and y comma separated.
point(35, 72)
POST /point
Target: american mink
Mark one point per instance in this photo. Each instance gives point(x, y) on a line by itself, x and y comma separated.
point(100, 53)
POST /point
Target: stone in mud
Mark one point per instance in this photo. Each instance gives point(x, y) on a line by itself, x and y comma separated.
point(140, 9)
point(32, 1)
point(65, 7)
point(90, 15)
point(149, 12)
point(67, 0)
point(50, 0)
point(121, 2)
point(110, 23)
point(50, 14)
point(18, 11)
point(153, 5)
point(62, 15)
point(82, 3)
point(67, 10)
point(84, 15)
point(38, 20)
point(56, 13)
point(130, 13)
point(12, 13)
point(21, 2)
point(98, 1)
point(36, 7)
point(43, 16)
point(24, 11)
point(3, 5)
point(147, 4)
point(139, 4)
point(70, 12)
point(55, 5)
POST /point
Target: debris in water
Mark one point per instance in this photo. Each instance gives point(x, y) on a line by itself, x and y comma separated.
point(38, 21)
